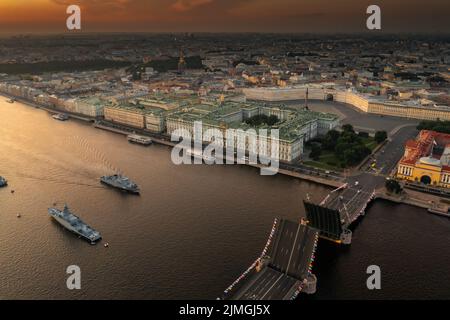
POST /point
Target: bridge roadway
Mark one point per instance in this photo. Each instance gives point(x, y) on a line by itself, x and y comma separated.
point(289, 258)
point(350, 202)
point(342, 206)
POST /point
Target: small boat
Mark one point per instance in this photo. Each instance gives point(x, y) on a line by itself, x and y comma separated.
point(134, 138)
point(61, 116)
point(3, 182)
point(11, 100)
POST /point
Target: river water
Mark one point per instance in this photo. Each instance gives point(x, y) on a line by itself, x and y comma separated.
point(190, 234)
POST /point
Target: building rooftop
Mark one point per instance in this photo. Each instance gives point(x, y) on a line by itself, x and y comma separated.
point(426, 148)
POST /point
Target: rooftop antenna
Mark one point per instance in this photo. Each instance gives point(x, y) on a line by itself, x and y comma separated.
point(432, 148)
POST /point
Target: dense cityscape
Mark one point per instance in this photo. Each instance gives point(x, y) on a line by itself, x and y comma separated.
point(171, 81)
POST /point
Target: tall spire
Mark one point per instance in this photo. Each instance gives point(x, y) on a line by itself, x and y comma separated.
point(181, 62)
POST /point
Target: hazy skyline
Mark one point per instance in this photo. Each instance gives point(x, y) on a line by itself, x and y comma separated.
point(19, 16)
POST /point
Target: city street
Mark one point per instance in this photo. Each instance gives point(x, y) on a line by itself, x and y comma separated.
point(385, 160)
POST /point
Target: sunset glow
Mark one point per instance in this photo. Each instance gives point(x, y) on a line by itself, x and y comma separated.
point(221, 16)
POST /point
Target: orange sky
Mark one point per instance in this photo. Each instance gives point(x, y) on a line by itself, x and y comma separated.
point(224, 15)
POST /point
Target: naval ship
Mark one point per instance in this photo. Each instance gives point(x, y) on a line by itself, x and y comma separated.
point(120, 182)
point(71, 222)
point(3, 182)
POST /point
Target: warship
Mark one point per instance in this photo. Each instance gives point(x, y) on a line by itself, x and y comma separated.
point(71, 222)
point(120, 182)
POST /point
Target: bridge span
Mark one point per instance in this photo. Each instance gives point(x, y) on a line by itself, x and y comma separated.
point(284, 268)
point(339, 209)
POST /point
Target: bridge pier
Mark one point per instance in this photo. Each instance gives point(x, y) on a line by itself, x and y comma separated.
point(310, 287)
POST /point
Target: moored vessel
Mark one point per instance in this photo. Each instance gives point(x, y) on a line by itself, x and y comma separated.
point(73, 223)
point(134, 138)
point(3, 182)
point(120, 182)
point(61, 116)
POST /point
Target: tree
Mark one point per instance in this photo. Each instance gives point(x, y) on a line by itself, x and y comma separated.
point(438, 125)
point(349, 137)
point(348, 128)
point(393, 186)
point(380, 136)
point(351, 153)
point(260, 119)
point(316, 151)
point(330, 140)
point(363, 134)
point(272, 120)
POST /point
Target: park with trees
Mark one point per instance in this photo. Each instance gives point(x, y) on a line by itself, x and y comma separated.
point(342, 149)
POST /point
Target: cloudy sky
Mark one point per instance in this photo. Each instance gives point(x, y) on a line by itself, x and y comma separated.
point(225, 15)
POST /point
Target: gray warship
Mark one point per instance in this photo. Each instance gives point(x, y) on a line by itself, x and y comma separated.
point(71, 222)
point(120, 182)
point(3, 182)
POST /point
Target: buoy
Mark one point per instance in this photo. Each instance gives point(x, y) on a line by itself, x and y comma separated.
point(12, 191)
point(106, 245)
point(18, 215)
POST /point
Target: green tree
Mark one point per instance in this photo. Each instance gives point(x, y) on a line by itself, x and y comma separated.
point(260, 119)
point(348, 128)
point(273, 119)
point(380, 136)
point(363, 134)
point(330, 140)
point(350, 149)
point(439, 126)
point(393, 186)
point(316, 151)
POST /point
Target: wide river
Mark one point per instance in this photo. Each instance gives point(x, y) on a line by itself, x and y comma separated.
point(193, 230)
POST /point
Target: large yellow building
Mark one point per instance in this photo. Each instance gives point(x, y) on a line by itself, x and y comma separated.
point(427, 159)
point(369, 104)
